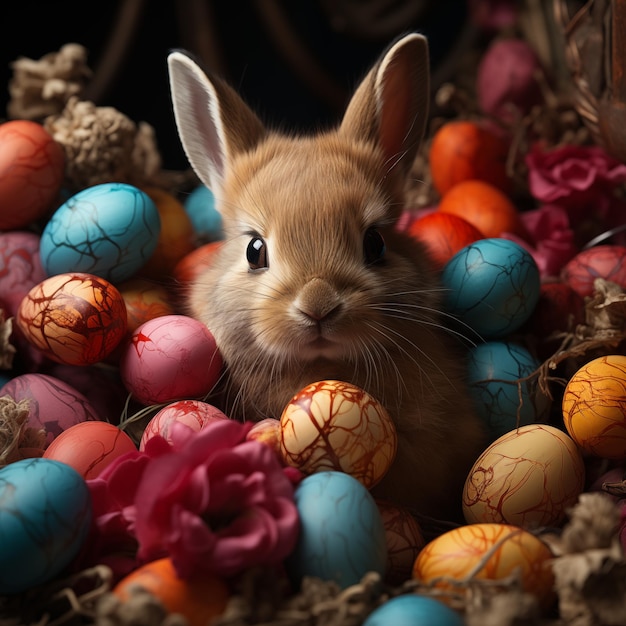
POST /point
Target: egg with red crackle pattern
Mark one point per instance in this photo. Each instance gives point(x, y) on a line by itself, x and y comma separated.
point(194, 414)
point(76, 318)
point(53, 404)
point(89, 447)
point(594, 406)
point(334, 425)
point(607, 262)
point(529, 477)
point(168, 358)
point(32, 166)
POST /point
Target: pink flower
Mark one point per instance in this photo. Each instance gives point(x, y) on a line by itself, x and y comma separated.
point(493, 15)
point(211, 500)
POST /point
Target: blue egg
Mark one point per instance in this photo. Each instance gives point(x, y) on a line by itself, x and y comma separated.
point(45, 514)
point(109, 230)
point(492, 285)
point(342, 536)
point(494, 369)
point(413, 610)
point(206, 220)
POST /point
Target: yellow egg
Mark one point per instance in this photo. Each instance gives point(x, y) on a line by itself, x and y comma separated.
point(487, 552)
point(333, 425)
point(528, 477)
point(594, 407)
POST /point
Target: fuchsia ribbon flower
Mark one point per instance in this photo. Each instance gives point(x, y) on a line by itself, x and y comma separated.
point(211, 501)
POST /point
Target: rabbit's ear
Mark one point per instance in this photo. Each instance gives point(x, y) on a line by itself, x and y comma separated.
point(214, 123)
point(390, 106)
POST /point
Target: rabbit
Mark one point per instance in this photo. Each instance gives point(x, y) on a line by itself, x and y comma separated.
point(313, 281)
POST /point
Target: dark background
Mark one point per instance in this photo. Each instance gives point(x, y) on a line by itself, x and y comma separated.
point(256, 45)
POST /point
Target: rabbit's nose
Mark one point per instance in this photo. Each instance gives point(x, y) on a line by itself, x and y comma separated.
point(318, 300)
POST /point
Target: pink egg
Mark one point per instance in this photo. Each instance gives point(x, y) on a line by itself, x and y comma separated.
point(20, 267)
point(53, 404)
point(192, 413)
point(607, 261)
point(89, 447)
point(171, 357)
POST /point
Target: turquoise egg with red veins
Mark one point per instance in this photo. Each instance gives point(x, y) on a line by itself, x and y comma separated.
point(109, 230)
point(492, 286)
point(45, 515)
point(168, 358)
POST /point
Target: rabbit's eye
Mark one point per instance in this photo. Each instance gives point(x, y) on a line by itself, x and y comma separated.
point(256, 253)
point(373, 246)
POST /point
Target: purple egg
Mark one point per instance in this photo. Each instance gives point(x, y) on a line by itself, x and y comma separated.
point(54, 405)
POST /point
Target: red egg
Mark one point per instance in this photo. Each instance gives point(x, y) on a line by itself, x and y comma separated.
point(192, 264)
point(89, 447)
point(76, 319)
point(32, 167)
point(607, 261)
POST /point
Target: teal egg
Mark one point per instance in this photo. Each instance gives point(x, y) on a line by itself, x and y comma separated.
point(492, 286)
point(110, 230)
point(496, 370)
point(206, 220)
point(342, 535)
point(413, 610)
point(45, 515)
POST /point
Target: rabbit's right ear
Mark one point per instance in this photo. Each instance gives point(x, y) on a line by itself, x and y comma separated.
point(214, 123)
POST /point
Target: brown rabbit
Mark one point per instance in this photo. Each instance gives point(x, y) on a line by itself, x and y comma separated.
point(314, 282)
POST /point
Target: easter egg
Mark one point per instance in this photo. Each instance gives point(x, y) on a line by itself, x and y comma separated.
point(444, 234)
point(32, 166)
point(413, 610)
point(594, 407)
point(20, 267)
point(492, 286)
point(170, 358)
point(77, 319)
point(501, 396)
point(192, 413)
point(53, 404)
point(467, 150)
point(342, 536)
point(607, 261)
point(266, 431)
point(487, 551)
point(89, 447)
point(144, 300)
point(45, 515)
point(333, 425)
point(529, 477)
point(191, 266)
point(484, 206)
point(199, 600)
point(176, 237)
point(206, 220)
point(109, 230)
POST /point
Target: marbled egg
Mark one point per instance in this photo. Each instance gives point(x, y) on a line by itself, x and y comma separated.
point(606, 261)
point(501, 396)
point(266, 431)
point(109, 230)
point(45, 515)
point(333, 425)
point(594, 407)
point(89, 447)
point(492, 286)
point(487, 552)
point(145, 299)
point(172, 357)
point(529, 477)
point(32, 166)
point(76, 319)
point(192, 413)
point(413, 610)
point(53, 404)
point(342, 536)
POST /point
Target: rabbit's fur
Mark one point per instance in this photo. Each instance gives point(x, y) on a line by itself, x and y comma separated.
point(335, 301)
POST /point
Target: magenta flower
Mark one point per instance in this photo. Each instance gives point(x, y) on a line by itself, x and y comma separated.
point(211, 501)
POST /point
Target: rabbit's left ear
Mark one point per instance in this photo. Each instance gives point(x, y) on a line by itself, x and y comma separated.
point(390, 106)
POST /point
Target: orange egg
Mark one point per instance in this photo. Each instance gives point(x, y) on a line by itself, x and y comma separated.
point(485, 207)
point(195, 262)
point(144, 300)
point(176, 238)
point(444, 234)
point(465, 150)
point(198, 600)
point(487, 551)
